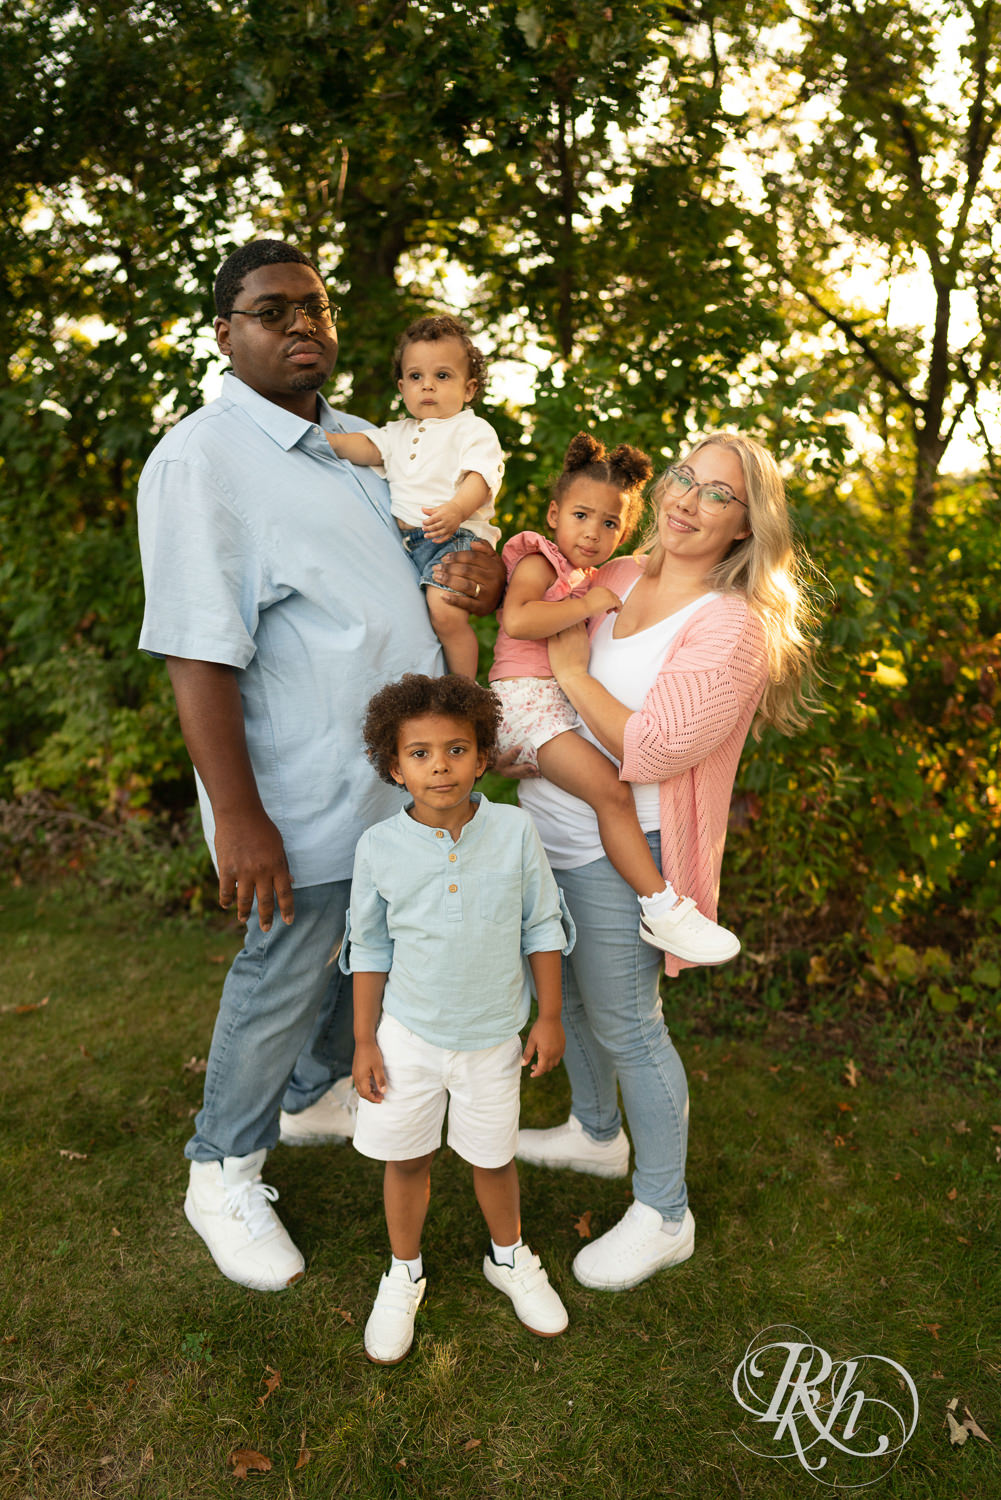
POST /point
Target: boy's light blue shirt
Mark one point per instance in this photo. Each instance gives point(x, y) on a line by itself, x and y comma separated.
point(452, 923)
point(265, 552)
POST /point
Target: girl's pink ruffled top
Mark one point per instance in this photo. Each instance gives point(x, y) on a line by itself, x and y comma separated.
point(531, 658)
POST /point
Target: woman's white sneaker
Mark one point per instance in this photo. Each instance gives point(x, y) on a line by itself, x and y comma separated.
point(685, 932)
point(536, 1303)
point(230, 1207)
point(637, 1246)
point(570, 1146)
point(389, 1331)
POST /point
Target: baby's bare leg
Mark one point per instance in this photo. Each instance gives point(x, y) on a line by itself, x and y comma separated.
point(580, 768)
point(452, 627)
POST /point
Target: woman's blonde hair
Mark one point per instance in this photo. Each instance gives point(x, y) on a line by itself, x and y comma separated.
point(766, 568)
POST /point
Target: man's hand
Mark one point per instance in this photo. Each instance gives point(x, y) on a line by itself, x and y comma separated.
point(475, 578)
point(249, 849)
point(369, 1072)
point(252, 862)
point(546, 1042)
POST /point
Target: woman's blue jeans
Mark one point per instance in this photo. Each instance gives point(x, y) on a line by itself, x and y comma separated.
point(614, 1022)
point(285, 1029)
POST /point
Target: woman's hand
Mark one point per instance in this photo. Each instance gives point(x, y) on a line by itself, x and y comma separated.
point(569, 653)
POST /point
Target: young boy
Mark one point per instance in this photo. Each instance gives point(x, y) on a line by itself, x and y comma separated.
point(443, 463)
point(448, 899)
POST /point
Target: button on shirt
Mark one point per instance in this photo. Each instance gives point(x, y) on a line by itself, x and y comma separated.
point(451, 923)
point(426, 460)
point(265, 552)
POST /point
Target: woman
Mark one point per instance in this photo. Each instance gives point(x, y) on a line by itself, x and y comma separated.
point(709, 634)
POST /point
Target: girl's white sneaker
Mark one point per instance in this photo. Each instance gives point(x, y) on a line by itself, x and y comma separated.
point(685, 932)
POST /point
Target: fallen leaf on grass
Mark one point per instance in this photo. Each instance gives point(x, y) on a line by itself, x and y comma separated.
point(961, 1127)
point(845, 1109)
point(957, 1432)
point(996, 1129)
point(971, 1425)
point(932, 1328)
point(74, 1155)
point(473, 1443)
point(342, 1312)
point(272, 1380)
point(304, 1453)
point(195, 1065)
point(23, 1007)
point(852, 1074)
point(583, 1225)
point(146, 1462)
point(116, 1232)
point(85, 1052)
point(244, 1461)
point(952, 1195)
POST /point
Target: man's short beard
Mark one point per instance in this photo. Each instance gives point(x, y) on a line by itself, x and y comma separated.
point(308, 380)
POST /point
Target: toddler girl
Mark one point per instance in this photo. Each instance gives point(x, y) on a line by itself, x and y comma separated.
point(595, 504)
point(448, 901)
point(443, 463)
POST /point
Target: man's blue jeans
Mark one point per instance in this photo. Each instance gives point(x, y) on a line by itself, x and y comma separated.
point(285, 1029)
point(614, 1022)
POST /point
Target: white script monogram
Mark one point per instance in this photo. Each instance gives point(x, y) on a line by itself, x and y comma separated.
point(815, 1402)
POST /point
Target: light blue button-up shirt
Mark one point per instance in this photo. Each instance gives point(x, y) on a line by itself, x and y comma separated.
point(451, 924)
point(264, 551)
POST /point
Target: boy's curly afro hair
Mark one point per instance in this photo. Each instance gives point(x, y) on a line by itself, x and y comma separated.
point(414, 695)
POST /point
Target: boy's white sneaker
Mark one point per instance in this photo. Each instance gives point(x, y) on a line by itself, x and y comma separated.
point(389, 1331)
point(570, 1146)
point(328, 1122)
point(230, 1207)
point(636, 1247)
point(685, 932)
point(526, 1283)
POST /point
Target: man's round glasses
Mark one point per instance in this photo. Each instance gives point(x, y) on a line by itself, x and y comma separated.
point(280, 316)
point(712, 498)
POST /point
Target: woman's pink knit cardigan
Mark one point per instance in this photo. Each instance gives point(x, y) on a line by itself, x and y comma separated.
point(689, 733)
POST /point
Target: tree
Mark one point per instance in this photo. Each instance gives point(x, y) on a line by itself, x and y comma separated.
point(888, 114)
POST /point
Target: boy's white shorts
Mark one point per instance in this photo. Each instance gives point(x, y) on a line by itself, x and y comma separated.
point(481, 1090)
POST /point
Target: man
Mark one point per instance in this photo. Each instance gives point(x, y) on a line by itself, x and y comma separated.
point(279, 593)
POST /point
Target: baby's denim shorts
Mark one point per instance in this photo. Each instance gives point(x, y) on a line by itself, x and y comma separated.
point(425, 554)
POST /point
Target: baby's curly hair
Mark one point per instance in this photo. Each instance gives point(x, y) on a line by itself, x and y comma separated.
point(441, 326)
point(626, 468)
point(453, 697)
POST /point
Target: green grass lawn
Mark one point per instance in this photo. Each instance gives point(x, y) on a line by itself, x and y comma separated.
point(866, 1216)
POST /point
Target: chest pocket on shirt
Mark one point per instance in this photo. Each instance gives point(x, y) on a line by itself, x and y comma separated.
point(500, 898)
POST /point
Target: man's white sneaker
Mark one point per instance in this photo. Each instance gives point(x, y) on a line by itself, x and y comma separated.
point(526, 1283)
point(328, 1122)
point(636, 1247)
point(389, 1331)
point(570, 1146)
point(685, 932)
point(230, 1207)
